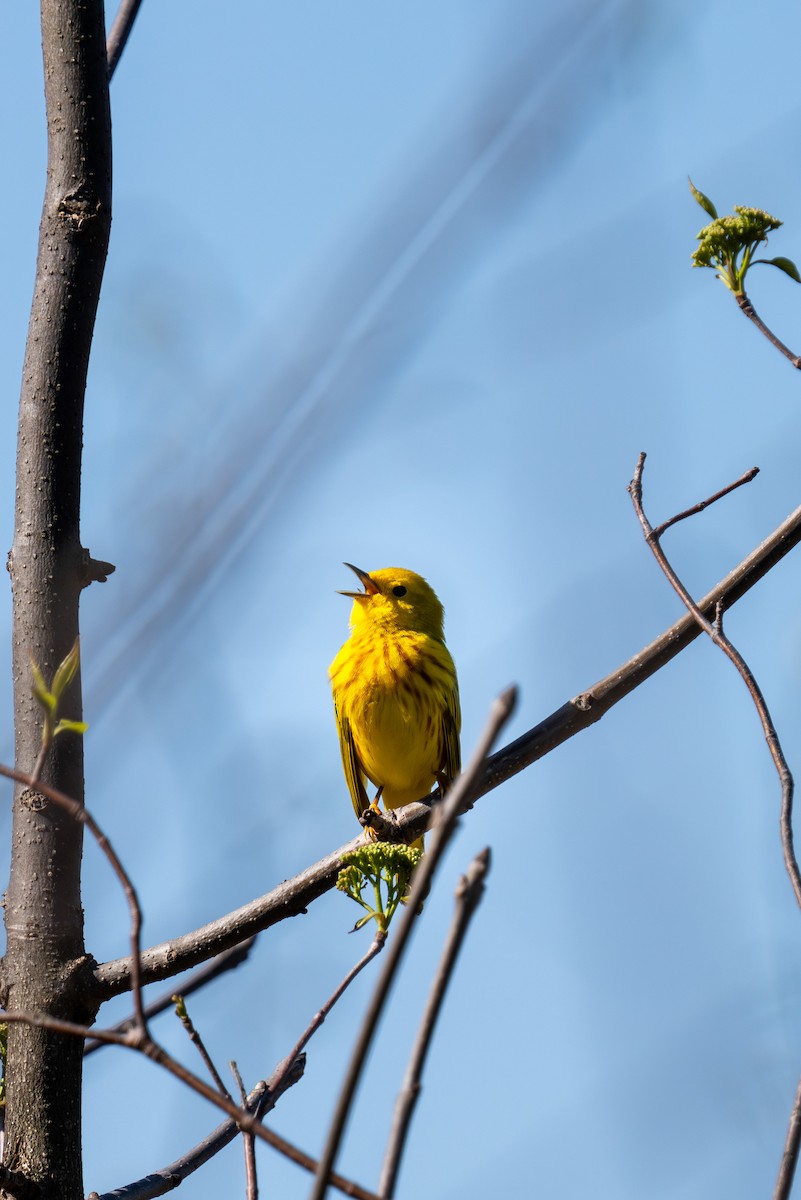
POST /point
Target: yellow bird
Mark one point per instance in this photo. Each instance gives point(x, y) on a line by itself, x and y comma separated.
point(396, 696)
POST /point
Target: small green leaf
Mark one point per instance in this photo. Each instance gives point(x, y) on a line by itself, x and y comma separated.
point(70, 726)
point(784, 264)
point(704, 201)
point(360, 924)
point(65, 672)
point(47, 701)
point(41, 690)
point(38, 678)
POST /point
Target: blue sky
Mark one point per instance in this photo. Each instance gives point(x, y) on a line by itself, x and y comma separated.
point(410, 285)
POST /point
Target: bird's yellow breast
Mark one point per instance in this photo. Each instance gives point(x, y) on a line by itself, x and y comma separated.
point(393, 690)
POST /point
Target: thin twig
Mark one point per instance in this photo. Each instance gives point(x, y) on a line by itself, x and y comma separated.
point(120, 32)
point(792, 1143)
point(144, 1044)
point(456, 799)
point(260, 1101)
point(469, 891)
point(227, 961)
point(698, 508)
point(375, 948)
point(200, 1045)
point(596, 702)
point(295, 895)
point(750, 312)
point(281, 1078)
point(264, 1097)
point(137, 1036)
point(82, 814)
point(714, 630)
point(248, 1144)
point(301, 1159)
point(40, 760)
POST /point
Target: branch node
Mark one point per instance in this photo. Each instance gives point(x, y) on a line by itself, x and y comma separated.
point(385, 826)
point(94, 570)
point(78, 207)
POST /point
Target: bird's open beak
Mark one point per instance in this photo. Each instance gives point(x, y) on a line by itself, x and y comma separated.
point(370, 588)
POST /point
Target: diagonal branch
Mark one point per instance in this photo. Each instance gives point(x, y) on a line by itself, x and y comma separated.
point(229, 960)
point(142, 1043)
point(197, 1041)
point(595, 703)
point(469, 891)
point(694, 509)
point(248, 1145)
point(120, 32)
point(749, 310)
point(792, 1144)
point(376, 946)
point(456, 800)
point(294, 896)
point(259, 1102)
point(714, 630)
point(82, 816)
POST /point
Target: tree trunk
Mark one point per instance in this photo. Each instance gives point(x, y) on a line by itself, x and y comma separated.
point(45, 967)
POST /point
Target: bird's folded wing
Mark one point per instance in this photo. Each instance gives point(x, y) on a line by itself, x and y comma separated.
point(451, 724)
point(354, 774)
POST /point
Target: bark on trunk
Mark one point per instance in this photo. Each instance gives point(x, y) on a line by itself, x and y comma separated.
point(44, 967)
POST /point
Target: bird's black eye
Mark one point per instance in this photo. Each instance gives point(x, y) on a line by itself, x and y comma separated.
point(399, 590)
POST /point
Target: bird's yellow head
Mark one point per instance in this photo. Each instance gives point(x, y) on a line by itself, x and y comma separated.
point(396, 599)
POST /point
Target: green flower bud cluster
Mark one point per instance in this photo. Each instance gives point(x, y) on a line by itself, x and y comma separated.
point(727, 244)
point(725, 238)
point(386, 867)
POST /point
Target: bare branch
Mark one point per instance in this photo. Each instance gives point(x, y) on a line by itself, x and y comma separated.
point(248, 1145)
point(714, 629)
point(261, 1100)
point(227, 961)
point(141, 1041)
point(346, 1186)
point(697, 508)
point(469, 891)
point(82, 815)
point(287, 1149)
point(169, 1178)
point(784, 1181)
point(590, 706)
point(456, 800)
point(295, 895)
point(750, 312)
point(120, 32)
point(289, 899)
point(200, 1045)
point(375, 948)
